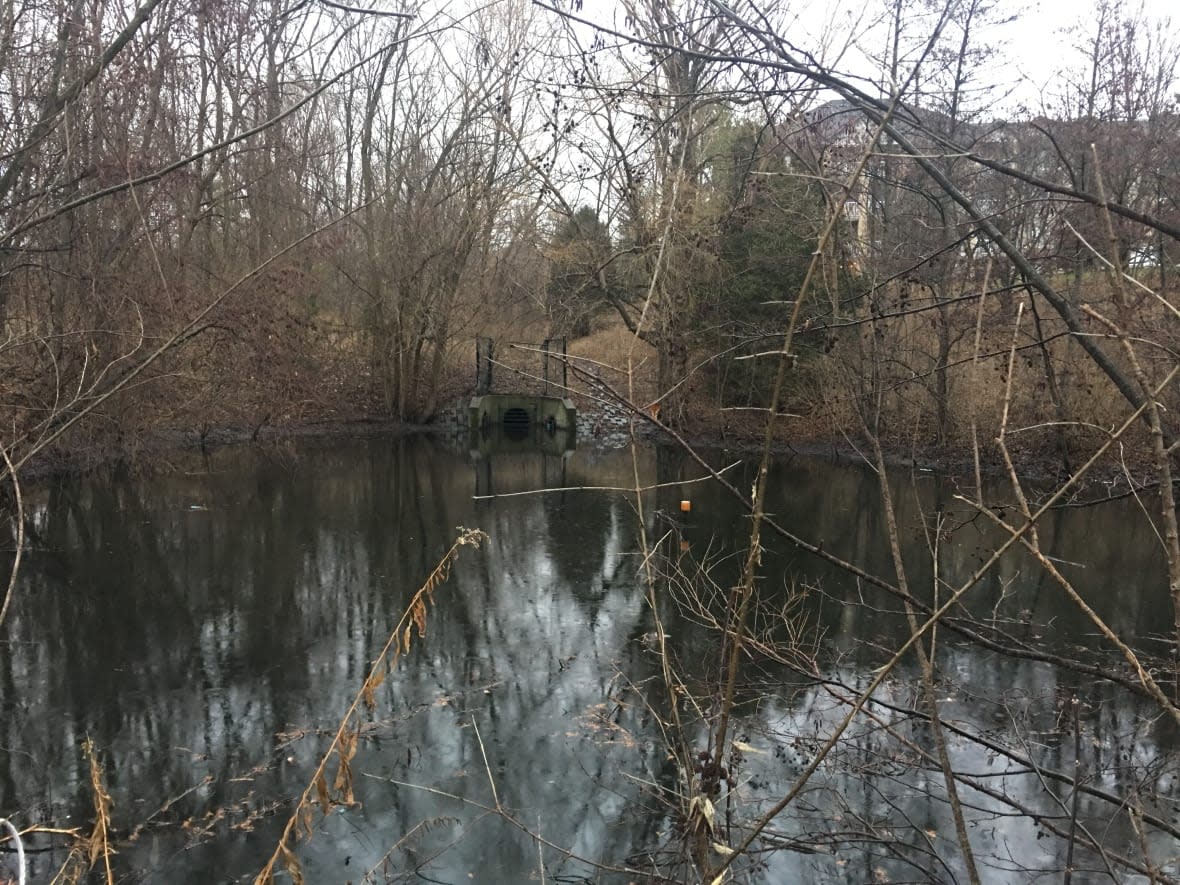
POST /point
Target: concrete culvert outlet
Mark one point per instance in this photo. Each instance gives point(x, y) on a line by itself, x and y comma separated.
point(516, 423)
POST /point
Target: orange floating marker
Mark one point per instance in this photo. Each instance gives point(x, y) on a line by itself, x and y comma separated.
point(685, 506)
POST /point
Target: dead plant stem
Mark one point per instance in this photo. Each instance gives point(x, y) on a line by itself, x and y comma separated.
point(390, 652)
point(925, 664)
point(504, 814)
point(1012, 648)
point(953, 600)
point(742, 593)
point(1076, 793)
point(1159, 441)
point(19, 516)
point(1031, 543)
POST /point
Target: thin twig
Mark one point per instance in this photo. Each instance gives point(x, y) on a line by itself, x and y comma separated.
point(883, 672)
point(20, 533)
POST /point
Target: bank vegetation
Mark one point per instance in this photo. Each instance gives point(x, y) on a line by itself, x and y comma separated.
point(250, 214)
point(244, 215)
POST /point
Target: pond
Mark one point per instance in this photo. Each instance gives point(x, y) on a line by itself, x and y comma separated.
point(207, 628)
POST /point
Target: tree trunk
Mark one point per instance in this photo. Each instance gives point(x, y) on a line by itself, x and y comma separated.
point(941, 380)
point(672, 353)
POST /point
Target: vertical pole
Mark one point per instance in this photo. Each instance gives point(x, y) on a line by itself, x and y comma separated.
point(564, 367)
point(483, 365)
point(545, 366)
point(484, 351)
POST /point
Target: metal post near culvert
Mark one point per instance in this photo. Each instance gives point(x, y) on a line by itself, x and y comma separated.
point(484, 354)
point(545, 366)
point(554, 350)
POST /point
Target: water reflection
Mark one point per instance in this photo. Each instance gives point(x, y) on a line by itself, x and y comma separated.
point(206, 628)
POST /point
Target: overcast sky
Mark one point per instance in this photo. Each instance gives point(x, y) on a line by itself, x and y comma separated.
point(1041, 40)
point(1036, 44)
point(1033, 48)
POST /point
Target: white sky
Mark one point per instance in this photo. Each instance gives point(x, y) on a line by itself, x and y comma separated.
point(1033, 48)
point(1036, 44)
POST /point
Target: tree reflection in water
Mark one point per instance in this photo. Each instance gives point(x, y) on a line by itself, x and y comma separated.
point(209, 627)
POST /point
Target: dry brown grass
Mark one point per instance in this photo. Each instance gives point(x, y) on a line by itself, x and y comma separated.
point(824, 403)
point(87, 851)
point(1090, 406)
point(608, 351)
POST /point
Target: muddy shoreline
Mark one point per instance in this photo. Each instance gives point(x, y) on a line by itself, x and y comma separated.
point(151, 452)
point(154, 453)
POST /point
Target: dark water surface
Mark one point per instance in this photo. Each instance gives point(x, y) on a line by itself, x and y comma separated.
point(208, 628)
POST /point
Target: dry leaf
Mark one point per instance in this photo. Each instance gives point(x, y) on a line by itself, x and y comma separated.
point(746, 748)
point(321, 793)
point(303, 824)
point(291, 865)
point(346, 747)
point(369, 691)
point(345, 750)
point(418, 612)
point(709, 812)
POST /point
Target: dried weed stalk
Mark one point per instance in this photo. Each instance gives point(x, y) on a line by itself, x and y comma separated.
point(937, 614)
point(347, 737)
point(86, 852)
point(1030, 539)
point(926, 664)
point(19, 521)
point(1160, 448)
